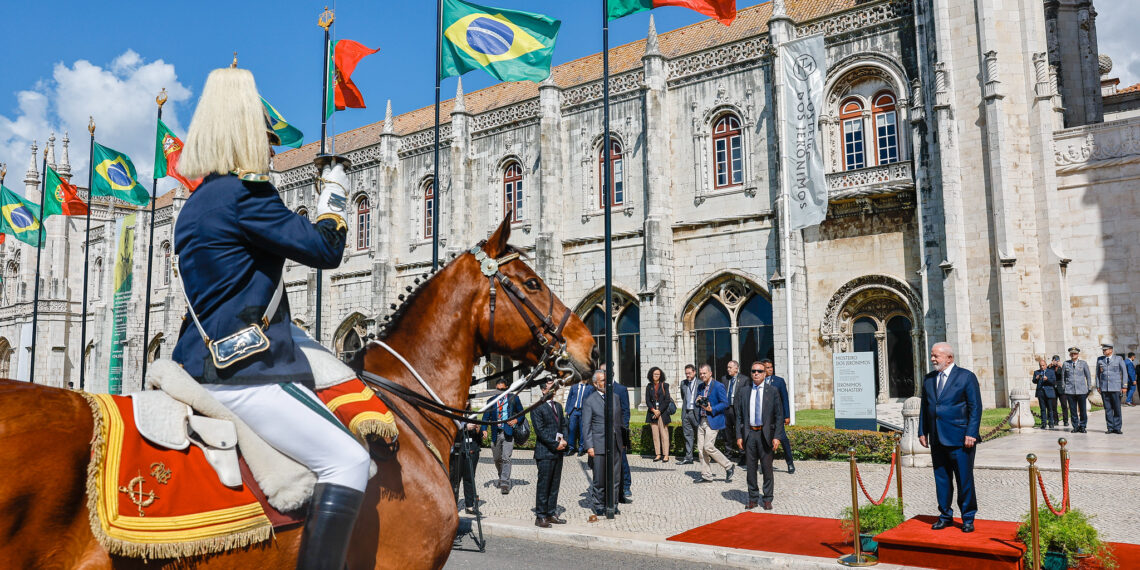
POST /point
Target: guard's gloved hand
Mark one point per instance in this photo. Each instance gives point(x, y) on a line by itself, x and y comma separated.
point(334, 192)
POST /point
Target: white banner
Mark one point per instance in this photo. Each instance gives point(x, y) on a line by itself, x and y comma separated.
point(801, 100)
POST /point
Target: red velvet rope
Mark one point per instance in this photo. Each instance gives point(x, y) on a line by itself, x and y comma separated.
point(886, 490)
point(1064, 492)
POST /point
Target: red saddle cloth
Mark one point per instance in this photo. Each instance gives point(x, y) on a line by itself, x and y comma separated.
point(151, 502)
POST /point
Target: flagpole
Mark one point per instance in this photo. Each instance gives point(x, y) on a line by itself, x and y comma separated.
point(325, 20)
point(435, 162)
point(87, 250)
point(607, 197)
point(161, 100)
point(39, 254)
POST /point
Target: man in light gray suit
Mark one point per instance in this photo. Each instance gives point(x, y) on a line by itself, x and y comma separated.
point(1111, 374)
point(1076, 383)
point(594, 440)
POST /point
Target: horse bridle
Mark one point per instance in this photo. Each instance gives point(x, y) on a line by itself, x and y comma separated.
point(549, 336)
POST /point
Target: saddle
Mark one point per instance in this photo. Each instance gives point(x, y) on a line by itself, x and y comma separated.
point(171, 424)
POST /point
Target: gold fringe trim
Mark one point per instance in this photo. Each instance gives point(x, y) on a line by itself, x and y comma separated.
point(375, 424)
point(150, 551)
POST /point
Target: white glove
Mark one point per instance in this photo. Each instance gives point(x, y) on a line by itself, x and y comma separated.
point(334, 191)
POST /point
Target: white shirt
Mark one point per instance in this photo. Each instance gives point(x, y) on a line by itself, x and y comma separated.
point(752, 404)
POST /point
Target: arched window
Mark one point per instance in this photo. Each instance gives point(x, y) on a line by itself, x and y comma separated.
point(864, 339)
point(754, 323)
point(851, 116)
point(617, 162)
point(166, 269)
point(363, 224)
point(11, 280)
point(886, 128)
point(627, 339)
point(713, 327)
point(513, 191)
point(900, 357)
point(429, 207)
point(727, 152)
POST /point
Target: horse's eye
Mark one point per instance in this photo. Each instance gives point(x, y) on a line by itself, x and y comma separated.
point(533, 284)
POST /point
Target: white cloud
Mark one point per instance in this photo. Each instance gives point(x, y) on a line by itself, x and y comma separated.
point(120, 97)
point(1116, 37)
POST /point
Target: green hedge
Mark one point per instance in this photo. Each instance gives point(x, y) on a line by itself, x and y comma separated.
point(808, 442)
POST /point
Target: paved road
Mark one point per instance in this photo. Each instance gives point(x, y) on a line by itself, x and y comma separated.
point(511, 554)
point(666, 501)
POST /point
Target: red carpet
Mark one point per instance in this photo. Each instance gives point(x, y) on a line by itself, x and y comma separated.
point(786, 534)
point(992, 545)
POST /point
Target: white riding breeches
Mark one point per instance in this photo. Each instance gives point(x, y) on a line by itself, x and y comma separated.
point(293, 420)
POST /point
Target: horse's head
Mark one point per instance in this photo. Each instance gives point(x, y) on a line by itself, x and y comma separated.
point(522, 318)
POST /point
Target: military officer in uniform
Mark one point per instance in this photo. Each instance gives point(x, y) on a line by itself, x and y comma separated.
point(1076, 383)
point(232, 239)
point(1111, 375)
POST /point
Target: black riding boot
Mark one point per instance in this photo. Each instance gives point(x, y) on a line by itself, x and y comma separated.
point(328, 528)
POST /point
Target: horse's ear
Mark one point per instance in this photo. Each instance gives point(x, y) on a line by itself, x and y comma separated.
point(497, 243)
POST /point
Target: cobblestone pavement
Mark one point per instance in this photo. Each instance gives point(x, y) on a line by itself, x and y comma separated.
point(666, 500)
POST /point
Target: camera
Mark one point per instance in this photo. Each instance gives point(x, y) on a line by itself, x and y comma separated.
point(701, 401)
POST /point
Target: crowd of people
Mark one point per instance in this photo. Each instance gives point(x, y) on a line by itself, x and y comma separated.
point(1062, 389)
point(745, 413)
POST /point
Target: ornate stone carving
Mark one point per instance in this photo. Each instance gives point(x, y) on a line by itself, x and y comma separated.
point(1093, 146)
point(871, 293)
point(364, 157)
point(506, 116)
point(425, 138)
point(723, 59)
point(297, 176)
point(703, 159)
point(856, 20)
point(592, 92)
point(869, 181)
point(992, 84)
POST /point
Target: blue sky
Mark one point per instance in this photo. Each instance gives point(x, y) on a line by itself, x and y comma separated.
point(63, 61)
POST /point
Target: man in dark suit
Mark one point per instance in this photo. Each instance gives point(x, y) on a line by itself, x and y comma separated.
point(464, 459)
point(690, 420)
point(622, 395)
point(1046, 392)
point(550, 445)
point(948, 424)
point(503, 434)
point(770, 370)
point(594, 432)
point(760, 425)
point(574, 401)
point(732, 381)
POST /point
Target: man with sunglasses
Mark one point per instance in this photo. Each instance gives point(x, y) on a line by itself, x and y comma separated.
point(759, 428)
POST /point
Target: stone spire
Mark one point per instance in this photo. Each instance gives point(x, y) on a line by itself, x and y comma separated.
point(460, 107)
point(64, 169)
point(651, 47)
point(51, 150)
point(389, 128)
point(778, 10)
point(32, 176)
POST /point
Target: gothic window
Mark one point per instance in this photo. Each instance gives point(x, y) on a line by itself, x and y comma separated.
point(513, 191)
point(713, 327)
point(363, 224)
point(11, 279)
point(851, 116)
point(617, 163)
point(626, 335)
point(864, 340)
point(727, 152)
point(754, 323)
point(166, 269)
point(429, 207)
point(900, 357)
point(886, 128)
point(5, 358)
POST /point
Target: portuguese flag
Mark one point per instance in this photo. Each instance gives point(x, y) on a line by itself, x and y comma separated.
point(167, 151)
point(62, 197)
point(345, 57)
point(723, 10)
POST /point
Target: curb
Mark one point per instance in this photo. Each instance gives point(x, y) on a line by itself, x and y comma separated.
point(645, 545)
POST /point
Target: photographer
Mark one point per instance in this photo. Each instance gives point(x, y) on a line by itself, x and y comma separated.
point(712, 400)
point(464, 459)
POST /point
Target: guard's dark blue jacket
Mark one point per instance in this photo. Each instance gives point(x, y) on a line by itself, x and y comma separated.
point(232, 239)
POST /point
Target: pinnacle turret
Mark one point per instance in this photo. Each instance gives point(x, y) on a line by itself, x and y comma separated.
point(32, 175)
point(64, 169)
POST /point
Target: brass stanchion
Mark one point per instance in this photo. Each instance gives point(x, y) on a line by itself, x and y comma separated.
point(859, 558)
point(1034, 526)
point(898, 471)
point(1064, 471)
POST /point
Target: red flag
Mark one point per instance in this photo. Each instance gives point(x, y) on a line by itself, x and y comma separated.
point(2, 236)
point(171, 149)
point(345, 57)
point(723, 10)
point(62, 197)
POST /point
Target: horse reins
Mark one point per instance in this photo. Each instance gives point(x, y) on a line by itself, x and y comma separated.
point(554, 355)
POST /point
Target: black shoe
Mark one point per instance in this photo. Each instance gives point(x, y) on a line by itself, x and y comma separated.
point(581, 453)
point(702, 480)
point(941, 524)
point(686, 462)
point(328, 528)
point(625, 501)
point(968, 527)
point(1066, 424)
point(728, 473)
point(791, 469)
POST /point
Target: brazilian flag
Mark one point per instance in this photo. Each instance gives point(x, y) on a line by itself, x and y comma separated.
point(115, 176)
point(509, 44)
point(19, 218)
point(289, 135)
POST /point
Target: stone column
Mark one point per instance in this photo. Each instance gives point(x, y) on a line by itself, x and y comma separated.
point(1023, 419)
point(884, 371)
point(551, 209)
point(460, 194)
point(913, 453)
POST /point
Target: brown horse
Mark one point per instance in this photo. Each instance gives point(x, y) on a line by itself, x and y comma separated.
point(409, 519)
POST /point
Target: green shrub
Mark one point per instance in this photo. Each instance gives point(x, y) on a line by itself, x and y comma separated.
point(874, 519)
point(1069, 534)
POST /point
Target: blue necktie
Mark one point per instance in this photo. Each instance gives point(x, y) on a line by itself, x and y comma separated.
point(756, 406)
